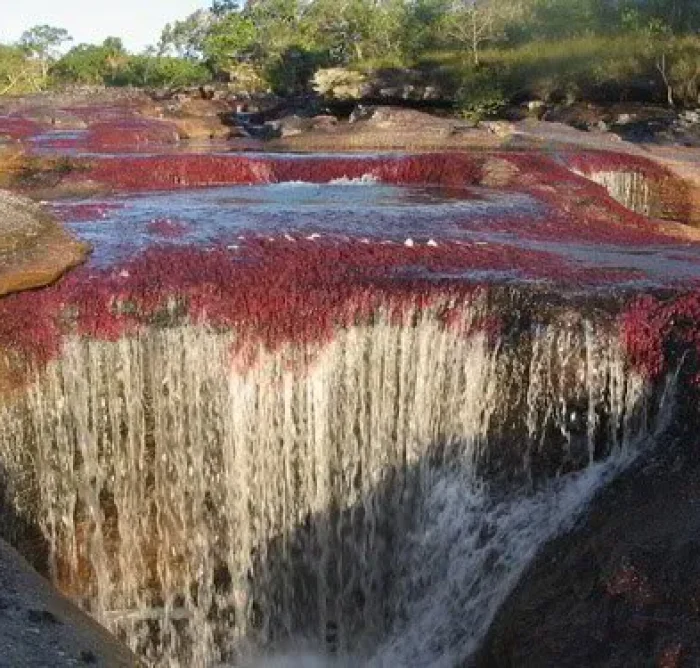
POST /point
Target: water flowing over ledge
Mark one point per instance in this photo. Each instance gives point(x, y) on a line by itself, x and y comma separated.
point(333, 422)
point(343, 495)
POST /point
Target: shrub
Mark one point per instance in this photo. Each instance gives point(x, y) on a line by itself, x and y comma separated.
point(480, 96)
point(339, 83)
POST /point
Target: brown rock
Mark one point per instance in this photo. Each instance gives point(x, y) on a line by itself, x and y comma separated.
point(34, 249)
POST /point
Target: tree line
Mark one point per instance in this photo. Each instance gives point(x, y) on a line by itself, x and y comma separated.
point(494, 48)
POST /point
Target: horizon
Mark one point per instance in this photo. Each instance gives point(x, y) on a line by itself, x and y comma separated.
point(137, 24)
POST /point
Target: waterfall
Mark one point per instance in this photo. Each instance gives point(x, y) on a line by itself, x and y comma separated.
point(374, 496)
point(629, 188)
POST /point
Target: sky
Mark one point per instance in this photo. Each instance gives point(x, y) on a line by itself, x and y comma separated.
point(137, 22)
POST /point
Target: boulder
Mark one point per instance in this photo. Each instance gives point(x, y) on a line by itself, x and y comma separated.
point(34, 249)
point(406, 120)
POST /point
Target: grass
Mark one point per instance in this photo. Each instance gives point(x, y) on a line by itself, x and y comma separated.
point(588, 67)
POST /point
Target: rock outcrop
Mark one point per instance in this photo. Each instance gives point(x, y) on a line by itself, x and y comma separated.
point(34, 249)
point(623, 589)
point(42, 628)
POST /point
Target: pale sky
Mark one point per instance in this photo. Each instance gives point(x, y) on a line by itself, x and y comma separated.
point(137, 22)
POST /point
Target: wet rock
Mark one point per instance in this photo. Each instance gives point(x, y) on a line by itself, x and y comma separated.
point(623, 588)
point(88, 656)
point(42, 628)
point(42, 617)
point(34, 249)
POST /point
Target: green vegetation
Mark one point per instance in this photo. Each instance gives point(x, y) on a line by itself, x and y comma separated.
point(494, 52)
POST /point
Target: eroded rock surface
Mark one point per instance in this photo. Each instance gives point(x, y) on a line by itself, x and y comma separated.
point(40, 628)
point(623, 589)
point(34, 249)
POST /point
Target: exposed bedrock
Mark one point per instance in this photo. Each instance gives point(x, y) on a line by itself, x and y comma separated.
point(40, 627)
point(34, 248)
point(622, 588)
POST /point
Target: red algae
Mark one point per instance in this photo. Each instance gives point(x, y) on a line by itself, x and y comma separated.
point(19, 128)
point(122, 134)
point(659, 333)
point(167, 227)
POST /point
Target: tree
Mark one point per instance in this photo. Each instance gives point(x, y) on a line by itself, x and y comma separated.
point(473, 23)
point(231, 40)
point(186, 38)
point(18, 74)
point(42, 43)
point(91, 64)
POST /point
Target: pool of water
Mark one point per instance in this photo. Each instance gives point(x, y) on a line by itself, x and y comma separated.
point(121, 226)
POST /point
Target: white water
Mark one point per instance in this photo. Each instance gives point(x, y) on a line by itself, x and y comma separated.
point(321, 499)
point(631, 189)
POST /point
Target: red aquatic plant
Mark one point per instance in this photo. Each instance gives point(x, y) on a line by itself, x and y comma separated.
point(671, 195)
point(167, 172)
point(20, 128)
point(660, 332)
point(167, 227)
point(275, 290)
point(123, 134)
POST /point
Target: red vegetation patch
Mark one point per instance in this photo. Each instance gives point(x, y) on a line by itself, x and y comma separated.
point(123, 134)
point(631, 584)
point(75, 212)
point(658, 333)
point(178, 171)
point(17, 127)
point(167, 227)
point(166, 172)
point(445, 169)
point(285, 290)
point(576, 207)
point(271, 291)
point(589, 162)
point(671, 196)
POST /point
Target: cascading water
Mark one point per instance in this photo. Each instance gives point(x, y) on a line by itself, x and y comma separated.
point(631, 189)
point(307, 424)
point(370, 499)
